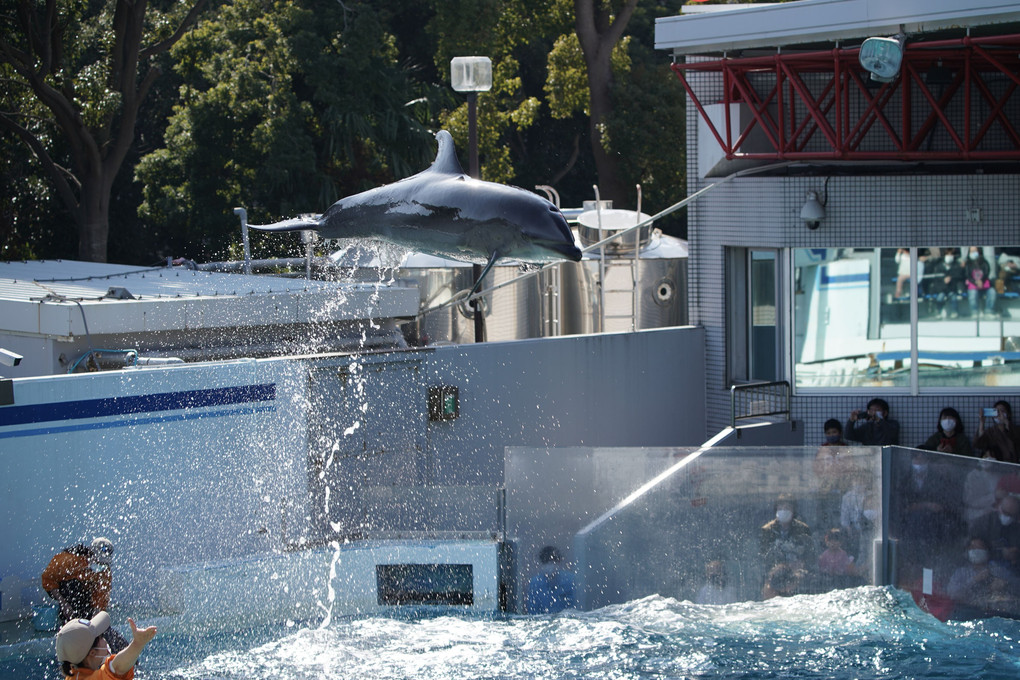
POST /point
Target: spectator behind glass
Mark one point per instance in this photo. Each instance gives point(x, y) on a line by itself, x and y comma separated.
point(978, 283)
point(716, 589)
point(1000, 528)
point(924, 505)
point(552, 589)
point(786, 539)
point(999, 437)
point(834, 560)
point(981, 588)
point(873, 427)
point(979, 489)
point(949, 437)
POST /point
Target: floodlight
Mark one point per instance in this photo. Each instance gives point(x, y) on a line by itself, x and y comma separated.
point(882, 57)
point(471, 74)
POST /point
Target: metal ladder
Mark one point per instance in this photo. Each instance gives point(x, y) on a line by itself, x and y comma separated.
point(623, 289)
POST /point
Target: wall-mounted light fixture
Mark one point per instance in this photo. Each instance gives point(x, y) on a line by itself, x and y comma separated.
point(813, 211)
point(882, 57)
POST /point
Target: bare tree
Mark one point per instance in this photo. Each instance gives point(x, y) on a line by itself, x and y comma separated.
point(598, 31)
point(40, 45)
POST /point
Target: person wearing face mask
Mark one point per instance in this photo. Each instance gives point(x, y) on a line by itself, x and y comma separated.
point(997, 436)
point(873, 427)
point(949, 436)
point(945, 284)
point(978, 283)
point(833, 431)
point(786, 539)
point(1000, 528)
point(981, 588)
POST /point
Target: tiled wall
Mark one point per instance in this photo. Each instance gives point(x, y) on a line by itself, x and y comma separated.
point(863, 210)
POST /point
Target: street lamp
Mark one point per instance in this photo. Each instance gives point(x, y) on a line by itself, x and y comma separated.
point(473, 75)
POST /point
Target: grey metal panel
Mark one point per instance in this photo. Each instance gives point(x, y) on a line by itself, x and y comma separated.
point(178, 299)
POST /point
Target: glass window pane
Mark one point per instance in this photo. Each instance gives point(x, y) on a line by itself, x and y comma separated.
point(763, 315)
point(851, 317)
point(967, 333)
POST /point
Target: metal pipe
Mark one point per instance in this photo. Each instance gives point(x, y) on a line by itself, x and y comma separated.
point(244, 238)
point(602, 262)
point(668, 211)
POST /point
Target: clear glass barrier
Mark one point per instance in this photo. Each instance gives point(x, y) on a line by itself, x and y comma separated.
point(956, 524)
point(551, 494)
point(708, 530)
point(385, 510)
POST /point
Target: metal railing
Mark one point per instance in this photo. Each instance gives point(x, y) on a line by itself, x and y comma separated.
point(757, 400)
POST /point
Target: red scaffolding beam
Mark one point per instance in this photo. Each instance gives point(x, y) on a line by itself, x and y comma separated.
point(954, 100)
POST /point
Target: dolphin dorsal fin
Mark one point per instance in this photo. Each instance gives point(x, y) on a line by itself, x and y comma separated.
point(446, 162)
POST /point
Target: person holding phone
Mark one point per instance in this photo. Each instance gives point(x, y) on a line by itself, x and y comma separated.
point(996, 435)
point(872, 426)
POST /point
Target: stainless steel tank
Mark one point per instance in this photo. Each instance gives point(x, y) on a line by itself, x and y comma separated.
point(638, 293)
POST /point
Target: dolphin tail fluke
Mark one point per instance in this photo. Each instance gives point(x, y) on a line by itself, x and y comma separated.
point(294, 224)
point(485, 270)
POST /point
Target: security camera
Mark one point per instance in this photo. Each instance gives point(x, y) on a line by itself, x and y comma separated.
point(8, 358)
point(813, 211)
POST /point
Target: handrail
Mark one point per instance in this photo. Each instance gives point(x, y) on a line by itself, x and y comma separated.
point(769, 391)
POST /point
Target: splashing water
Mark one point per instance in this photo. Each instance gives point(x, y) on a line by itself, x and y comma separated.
point(864, 633)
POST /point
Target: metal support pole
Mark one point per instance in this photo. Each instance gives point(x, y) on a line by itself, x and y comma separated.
point(475, 171)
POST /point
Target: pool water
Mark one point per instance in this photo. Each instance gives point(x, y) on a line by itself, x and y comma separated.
point(860, 633)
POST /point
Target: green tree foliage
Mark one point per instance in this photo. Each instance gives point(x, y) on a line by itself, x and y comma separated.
point(76, 75)
point(284, 107)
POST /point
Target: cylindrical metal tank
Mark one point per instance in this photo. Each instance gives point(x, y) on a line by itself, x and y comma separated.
point(640, 293)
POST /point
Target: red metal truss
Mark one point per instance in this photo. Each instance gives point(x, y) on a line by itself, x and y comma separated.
point(953, 100)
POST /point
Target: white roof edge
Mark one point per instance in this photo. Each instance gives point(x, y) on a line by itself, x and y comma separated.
point(774, 25)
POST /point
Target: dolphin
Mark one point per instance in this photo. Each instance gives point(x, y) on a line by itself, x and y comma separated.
point(441, 211)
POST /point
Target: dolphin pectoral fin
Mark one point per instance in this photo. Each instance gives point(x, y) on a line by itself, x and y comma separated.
point(485, 270)
point(294, 224)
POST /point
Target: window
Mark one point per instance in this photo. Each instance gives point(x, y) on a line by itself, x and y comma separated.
point(860, 320)
point(753, 311)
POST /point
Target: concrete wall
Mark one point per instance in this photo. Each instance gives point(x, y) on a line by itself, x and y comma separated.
point(179, 464)
point(186, 478)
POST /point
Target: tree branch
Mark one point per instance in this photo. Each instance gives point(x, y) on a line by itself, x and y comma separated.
point(164, 45)
point(56, 173)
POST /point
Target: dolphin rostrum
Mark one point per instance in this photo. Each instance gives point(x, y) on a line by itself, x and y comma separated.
point(441, 211)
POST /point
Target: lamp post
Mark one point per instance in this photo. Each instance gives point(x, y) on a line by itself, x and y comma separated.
point(473, 75)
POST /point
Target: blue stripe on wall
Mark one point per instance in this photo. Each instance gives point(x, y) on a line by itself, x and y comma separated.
point(134, 422)
point(828, 280)
point(146, 403)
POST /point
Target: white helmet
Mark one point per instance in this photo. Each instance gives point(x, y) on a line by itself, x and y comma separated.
point(102, 550)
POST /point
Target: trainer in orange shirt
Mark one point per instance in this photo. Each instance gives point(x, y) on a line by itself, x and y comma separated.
point(83, 653)
point(79, 579)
